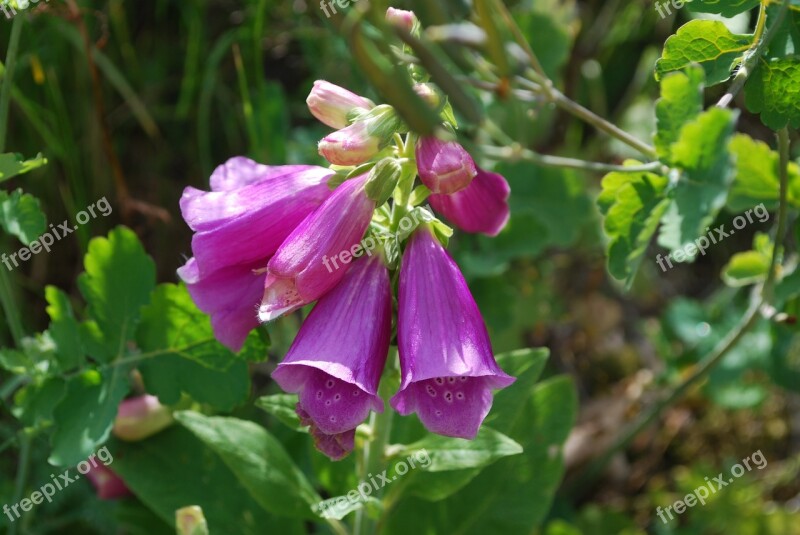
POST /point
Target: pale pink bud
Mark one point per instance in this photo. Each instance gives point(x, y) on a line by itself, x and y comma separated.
point(140, 417)
point(400, 18)
point(444, 166)
point(363, 139)
point(332, 104)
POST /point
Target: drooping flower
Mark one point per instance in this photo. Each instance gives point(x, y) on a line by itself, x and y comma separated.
point(447, 367)
point(140, 417)
point(336, 360)
point(107, 484)
point(315, 257)
point(444, 166)
point(238, 226)
point(481, 207)
point(331, 104)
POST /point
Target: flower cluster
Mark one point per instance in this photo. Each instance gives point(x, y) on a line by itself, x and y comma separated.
point(262, 234)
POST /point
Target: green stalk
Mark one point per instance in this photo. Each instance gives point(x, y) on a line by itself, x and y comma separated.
point(6, 295)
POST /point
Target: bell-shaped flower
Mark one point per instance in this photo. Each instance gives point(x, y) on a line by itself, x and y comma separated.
point(332, 104)
point(140, 417)
point(444, 166)
point(337, 358)
point(256, 211)
point(315, 257)
point(447, 367)
point(481, 207)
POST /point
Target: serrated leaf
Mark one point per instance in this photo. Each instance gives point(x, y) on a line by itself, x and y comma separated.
point(64, 329)
point(708, 43)
point(118, 281)
point(257, 460)
point(757, 176)
point(773, 91)
point(726, 8)
point(681, 101)
point(633, 204)
point(21, 215)
point(702, 153)
point(173, 325)
point(12, 165)
point(86, 413)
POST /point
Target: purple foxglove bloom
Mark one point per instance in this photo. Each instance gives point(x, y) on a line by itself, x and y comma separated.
point(252, 210)
point(315, 257)
point(400, 18)
point(140, 417)
point(444, 166)
point(331, 104)
point(447, 367)
point(350, 146)
point(337, 358)
point(480, 207)
point(107, 484)
point(230, 296)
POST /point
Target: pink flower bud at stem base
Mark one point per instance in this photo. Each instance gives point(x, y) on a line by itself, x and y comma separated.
point(140, 417)
point(363, 139)
point(332, 104)
point(400, 18)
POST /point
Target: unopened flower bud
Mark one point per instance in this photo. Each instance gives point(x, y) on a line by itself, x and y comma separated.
point(444, 166)
point(140, 417)
point(363, 139)
point(191, 521)
point(383, 180)
point(430, 95)
point(332, 104)
point(400, 18)
point(109, 486)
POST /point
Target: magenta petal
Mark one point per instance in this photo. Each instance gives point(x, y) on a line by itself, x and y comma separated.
point(482, 207)
point(107, 484)
point(239, 171)
point(444, 166)
point(303, 269)
point(249, 223)
point(446, 361)
point(337, 358)
point(230, 296)
point(336, 446)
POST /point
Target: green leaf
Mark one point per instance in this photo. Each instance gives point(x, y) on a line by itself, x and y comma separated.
point(633, 204)
point(726, 8)
point(171, 323)
point(21, 215)
point(702, 153)
point(86, 413)
point(257, 460)
point(708, 43)
point(773, 91)
point(341, 506)
point(282, 406)
point(118, 281)
point(749, 267)
point(757, 176)
point(447, 453)
point(681, 101)
point(34, 403)
point(12, 165)
point(170, 377)
point(157, 471)
point(527, 366)
point(64, 329)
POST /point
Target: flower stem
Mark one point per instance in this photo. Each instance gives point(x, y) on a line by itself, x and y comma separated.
point(517, 152)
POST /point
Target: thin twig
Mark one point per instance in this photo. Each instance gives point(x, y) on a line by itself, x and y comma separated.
point(516, 153)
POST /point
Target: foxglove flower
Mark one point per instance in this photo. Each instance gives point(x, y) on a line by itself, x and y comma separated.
point(331, 104)
point(107, 484)
point(363, 139)
point(301, 270)
point(481, 207)
point(336, 360)
point(140, 417)
point(238, 226)
point(444, 166)
point(447, 367)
